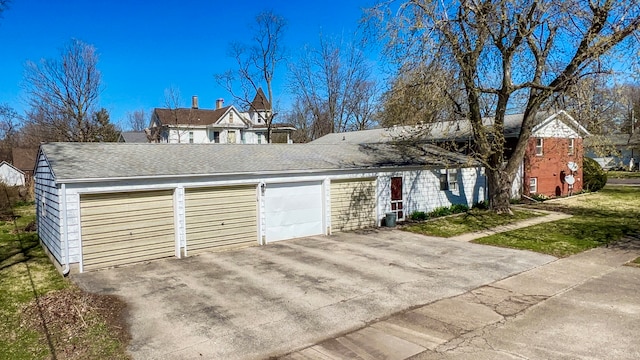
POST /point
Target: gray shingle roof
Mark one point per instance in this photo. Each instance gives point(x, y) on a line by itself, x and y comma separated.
point(75, 161)
point(445, 130)
point(134, 137)
point(439, 131)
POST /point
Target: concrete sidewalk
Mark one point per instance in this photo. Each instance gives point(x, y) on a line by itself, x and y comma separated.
point(582, 307)
point(551, 216)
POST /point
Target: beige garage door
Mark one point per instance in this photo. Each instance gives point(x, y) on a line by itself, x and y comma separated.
point(122, 228)
point(353, 204)
point(221, 218)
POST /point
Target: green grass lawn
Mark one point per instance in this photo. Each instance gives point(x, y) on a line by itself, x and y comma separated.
point(623, 174)
point(33, 293)
point(598, 219)
point(472, 221)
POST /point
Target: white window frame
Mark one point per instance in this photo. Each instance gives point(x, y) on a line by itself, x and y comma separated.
point(449, 180)
point(190, 137)
point(452, 179)
point(533, 185)
point(259, 137)
point(539, 146)
point(572, 147)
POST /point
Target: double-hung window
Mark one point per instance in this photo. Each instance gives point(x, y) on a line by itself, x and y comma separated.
point(539, 144)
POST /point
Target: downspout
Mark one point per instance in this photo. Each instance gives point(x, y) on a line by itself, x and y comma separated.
point(65, 237)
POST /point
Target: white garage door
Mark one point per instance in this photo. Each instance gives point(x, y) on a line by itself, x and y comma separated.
point(293, 210)
point(124, 228)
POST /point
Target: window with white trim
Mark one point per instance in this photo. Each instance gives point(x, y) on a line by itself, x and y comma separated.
point(533, 185)
point(539, 144)
point(449, 179)
point(190, 137)
point(571, 146)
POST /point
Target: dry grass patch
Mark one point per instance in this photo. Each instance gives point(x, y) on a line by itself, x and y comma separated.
point(42, 315)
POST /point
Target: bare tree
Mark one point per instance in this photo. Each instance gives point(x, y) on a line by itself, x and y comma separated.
point(256, 65)
point(9, 123)
point(138, 120)
point(64, 92)
point(9, 130)
point(510, 54)
point(334, 84)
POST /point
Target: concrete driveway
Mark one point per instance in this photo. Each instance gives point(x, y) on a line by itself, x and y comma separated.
point(270, 300)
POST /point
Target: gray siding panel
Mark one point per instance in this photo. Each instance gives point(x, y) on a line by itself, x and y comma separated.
point(48, 209)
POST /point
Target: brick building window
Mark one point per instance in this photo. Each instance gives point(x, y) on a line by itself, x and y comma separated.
point(533, 185)
point(539, 146)
point(571, 146)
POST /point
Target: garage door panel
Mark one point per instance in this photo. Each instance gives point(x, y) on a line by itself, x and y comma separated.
point(219, 217)
point(121, 247)
point(140, 226)
point(353, 204)
point(91, 202)
point(124, 235)
point(227, 212)
point(122, 228)
point(99, 262)
point(293, 210)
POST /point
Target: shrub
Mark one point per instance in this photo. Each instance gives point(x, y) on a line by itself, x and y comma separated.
point(459, 208)
point(594, 177)
point(483, 205)
point(418, 216)
point(539, 197)
point(440, 211)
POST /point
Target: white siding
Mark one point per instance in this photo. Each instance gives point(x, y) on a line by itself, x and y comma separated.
point(10, 176)
point(48, 219)
point(555, 129)
point(421, 190)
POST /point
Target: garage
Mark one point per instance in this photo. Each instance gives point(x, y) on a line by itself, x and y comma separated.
point(353, 204)
point(124, 228)
point(221, 218)
point(293, 210)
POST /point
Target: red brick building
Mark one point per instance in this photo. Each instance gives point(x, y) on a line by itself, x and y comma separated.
point(552, 165)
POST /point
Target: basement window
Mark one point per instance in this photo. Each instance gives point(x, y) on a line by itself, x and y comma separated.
point(571, 146)
point(533, 185)
point(539, 146)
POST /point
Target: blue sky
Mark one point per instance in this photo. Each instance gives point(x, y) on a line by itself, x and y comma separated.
point(148, 46)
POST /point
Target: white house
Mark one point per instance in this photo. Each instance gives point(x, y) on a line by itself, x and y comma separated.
point(222, 125)
point(11, 175)
point(106, 204)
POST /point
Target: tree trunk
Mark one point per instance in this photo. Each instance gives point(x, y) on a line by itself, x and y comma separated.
point(499, 188)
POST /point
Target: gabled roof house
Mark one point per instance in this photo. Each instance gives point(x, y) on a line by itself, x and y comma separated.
point(222, 125)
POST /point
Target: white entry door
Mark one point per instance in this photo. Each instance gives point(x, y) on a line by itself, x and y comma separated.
point(293, 210)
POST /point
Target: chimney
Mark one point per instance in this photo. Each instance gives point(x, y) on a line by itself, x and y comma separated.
point(219, 103)
point(194, 102)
